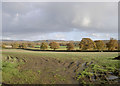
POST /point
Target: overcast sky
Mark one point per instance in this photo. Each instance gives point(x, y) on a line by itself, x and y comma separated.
point(59, 20)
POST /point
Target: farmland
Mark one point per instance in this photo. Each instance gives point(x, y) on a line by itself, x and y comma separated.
point(42, 67)
point(56, 42)
point(61, 48)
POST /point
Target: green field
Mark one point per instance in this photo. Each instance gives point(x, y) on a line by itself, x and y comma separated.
point(60, 48)
point(42, 67)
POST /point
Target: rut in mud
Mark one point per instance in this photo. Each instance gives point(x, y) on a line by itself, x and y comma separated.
point(55, 69)
point(50, 70)
point(68, 71)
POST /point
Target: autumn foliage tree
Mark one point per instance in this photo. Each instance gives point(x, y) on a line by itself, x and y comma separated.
point(3, 46)
point(70, 46)
point(112, 44)
point(31, 45)
point(87, 44)
point(54, 45)
point(44, 46)
point(100, 45)
point(23, 46)
point(15, 45)
point(63, 44)
point(38, 43)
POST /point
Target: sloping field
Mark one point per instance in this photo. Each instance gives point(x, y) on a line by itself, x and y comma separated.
point(40, 67)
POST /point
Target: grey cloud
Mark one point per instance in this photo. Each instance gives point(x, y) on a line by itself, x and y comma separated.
point(39, 18)
point(0, 20)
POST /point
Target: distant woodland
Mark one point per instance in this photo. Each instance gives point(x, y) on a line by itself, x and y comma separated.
point(85, 44)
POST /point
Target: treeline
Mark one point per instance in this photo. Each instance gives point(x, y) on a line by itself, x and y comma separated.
point(84, 44)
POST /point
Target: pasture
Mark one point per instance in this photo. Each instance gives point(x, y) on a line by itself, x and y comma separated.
point(37, 47)
point(42, 67)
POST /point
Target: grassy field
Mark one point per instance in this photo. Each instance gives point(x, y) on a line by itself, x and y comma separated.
point(60, 48)
point(42, 67)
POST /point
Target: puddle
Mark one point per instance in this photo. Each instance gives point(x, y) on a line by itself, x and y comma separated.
point(111, 77)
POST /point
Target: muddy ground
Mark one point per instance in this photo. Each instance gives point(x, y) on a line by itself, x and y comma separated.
point(58, 71)
point(48, 70)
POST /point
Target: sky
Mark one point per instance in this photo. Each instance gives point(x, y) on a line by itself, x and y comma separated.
point(59, 20)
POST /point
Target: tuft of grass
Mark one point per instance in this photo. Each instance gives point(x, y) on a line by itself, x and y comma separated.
point(9, 70)
point(94, 70)
point(39, 71)
point(12, 75)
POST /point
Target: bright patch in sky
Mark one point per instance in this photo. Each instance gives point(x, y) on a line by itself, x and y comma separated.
point(17, 14)
point(86, 22)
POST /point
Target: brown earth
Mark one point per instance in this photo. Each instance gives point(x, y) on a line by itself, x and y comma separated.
point(60, 71)
point(50, 70)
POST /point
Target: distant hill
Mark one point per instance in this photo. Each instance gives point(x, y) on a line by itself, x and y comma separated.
point(48, 41)
point(35, 41)
point(13, 40)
